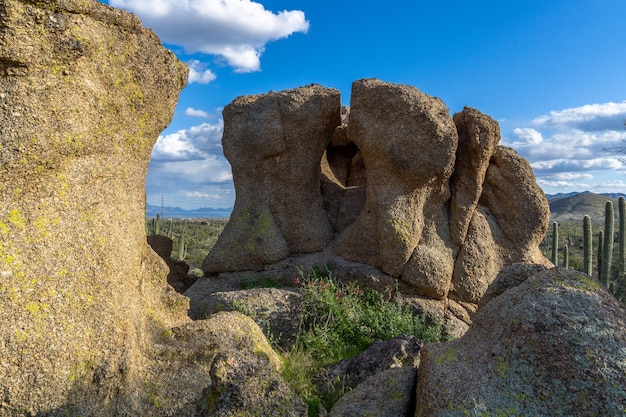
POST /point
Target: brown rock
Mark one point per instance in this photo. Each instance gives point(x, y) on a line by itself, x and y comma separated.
point(429, 201)
point(274, 143)
point(510, 222)
point(245, 373)
point(87, 90)
point(479, 260)
point(162, 245)
point(517, 203)
point(221, 366)
point(553, 345)
point(387, 394)
point(408, 142)
point(479, 135)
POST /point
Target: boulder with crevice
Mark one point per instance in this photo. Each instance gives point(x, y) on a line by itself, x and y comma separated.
point(429, 200)
point(274, 143)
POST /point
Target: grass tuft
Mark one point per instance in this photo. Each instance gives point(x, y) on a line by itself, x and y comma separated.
point(339, 321)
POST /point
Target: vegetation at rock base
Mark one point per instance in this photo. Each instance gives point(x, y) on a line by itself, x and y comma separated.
point(339, 321)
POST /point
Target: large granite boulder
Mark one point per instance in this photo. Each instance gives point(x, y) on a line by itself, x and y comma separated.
point(85, 91)
point(274, 143)
point(552, 344)
point(426, 199)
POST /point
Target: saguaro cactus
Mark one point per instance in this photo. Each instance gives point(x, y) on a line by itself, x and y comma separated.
point(182, 247)
point(607, 253)
point(622, 236)
point(566, 257)
point(600, 252)
point(587, 248)
point(555, 243)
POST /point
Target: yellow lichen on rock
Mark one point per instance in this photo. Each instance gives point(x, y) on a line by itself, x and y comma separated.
point(86, 90)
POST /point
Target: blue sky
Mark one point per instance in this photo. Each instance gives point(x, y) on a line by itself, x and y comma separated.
point(553, 73)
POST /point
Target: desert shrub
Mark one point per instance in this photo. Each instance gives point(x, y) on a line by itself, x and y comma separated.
point(339, 321)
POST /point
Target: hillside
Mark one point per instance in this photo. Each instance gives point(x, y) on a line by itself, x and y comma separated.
point(576, 206)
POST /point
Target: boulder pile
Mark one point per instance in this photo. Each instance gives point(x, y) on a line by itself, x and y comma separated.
point(392, 183)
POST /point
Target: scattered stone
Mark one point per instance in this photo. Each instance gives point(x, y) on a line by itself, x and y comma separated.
point(387, 394)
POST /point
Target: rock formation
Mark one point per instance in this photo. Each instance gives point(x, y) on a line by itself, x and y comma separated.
point(85, 91)
point(88, 324)
point(546, 343)
point(393, 183)
point(274, 143)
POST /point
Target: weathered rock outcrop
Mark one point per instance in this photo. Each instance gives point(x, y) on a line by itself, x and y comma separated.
point(424, 198)
point(85, 91)
point(553, 343)
point(274, 143)
point(88, 324)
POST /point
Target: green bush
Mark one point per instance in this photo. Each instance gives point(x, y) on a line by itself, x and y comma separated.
point(339, 321)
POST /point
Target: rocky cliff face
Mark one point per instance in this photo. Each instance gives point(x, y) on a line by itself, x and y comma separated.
point(84, 92)
point(393, 183)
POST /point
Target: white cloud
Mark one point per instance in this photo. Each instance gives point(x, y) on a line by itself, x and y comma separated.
point(196, 143)
point(189, 167)
point(569, 176)
point(560, 165)
point(615, 184)
point(590, 117)
point(528, 135)
point(574, 148)
point(237, 30)
point(202, 196)
point(198, 73)
point(556, 184)
point(190, 111)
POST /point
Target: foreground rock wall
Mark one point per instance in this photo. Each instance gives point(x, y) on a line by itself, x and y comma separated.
point(84, 93)
point(426, 198)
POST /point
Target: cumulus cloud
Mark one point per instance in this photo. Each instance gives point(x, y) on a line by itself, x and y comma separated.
point(564, 166)
point(188, 166)
point(193, 144)
point(198, 73)
point(590, 117)
point(236, 30)
point(569, 176)
point(190, 111)
point(574, 149)
point(528, 135)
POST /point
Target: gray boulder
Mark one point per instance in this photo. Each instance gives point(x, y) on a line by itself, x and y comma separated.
point(274, 143)
point(387, 394)
point(402, 351)
point(554, 345)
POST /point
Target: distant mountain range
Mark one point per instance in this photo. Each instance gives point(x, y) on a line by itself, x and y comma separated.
point(563, 206)
point(179, 213)
point(574, 206)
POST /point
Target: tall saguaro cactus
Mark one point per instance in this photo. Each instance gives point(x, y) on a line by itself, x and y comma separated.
point(600, 252)
point(622, 235)
point(587, 248)
point(555, 243)
point(607, 253)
